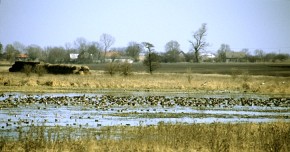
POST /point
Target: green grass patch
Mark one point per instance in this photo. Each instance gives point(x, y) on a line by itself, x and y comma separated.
point(269, 69)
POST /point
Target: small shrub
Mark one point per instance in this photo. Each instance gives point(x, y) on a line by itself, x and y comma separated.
point(2, 143)
point(189, 76)
point(27, 69)
point(245, 86)
point(49, 83)
point(246, 76)
point(40, 70)
point(126, 68)
point(7, 83)
point(112, 68)
point(235, 72)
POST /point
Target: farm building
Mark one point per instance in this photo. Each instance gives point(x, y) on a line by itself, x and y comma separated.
point(232, 56)
point(116, 56)
point(73, 56)
point(21, 57)
point(207, 56)
point(142, 57)
point(120, 60)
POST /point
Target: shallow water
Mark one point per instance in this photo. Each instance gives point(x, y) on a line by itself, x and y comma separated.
point(21, 110)
point(86, 115)
point(78, 116)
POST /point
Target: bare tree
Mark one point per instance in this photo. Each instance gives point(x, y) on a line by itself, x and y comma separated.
point(57, 55)
point(173, 51)
point(222, 51)
point(107, 41)
point(199, 42)
point(81, 44)
point(34, 52)
point(1, 47)
point(247, 53)
point(11, 52)
point(19, 46)
point(260, 54)
point(152, 60)
point(133, 50)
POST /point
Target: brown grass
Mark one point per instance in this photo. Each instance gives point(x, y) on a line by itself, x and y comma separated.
point(269, 137)
point(142, 81)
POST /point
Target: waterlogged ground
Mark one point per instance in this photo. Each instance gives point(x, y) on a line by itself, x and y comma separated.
point(136, 108)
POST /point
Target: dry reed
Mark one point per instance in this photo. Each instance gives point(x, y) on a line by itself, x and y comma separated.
point(163, 137)
point(142, 81)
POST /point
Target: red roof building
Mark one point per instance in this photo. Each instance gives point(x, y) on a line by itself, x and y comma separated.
point(21, 57)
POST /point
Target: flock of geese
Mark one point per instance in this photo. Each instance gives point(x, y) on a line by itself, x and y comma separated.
point(107, 101)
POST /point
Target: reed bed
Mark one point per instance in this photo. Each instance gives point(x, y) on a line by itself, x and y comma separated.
point(185, 82)
point(269, 137)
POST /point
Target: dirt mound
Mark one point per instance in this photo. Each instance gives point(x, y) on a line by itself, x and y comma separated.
point(18, 66)
point(66, 69)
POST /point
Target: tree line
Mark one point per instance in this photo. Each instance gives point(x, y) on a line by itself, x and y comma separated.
point(95, 52)
point(88, 52)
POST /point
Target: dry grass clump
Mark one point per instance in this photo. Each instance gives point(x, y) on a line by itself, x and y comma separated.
point(27, 69)
point(66, 69)
point(40, 69)
point(269, 137)
point(113, 68)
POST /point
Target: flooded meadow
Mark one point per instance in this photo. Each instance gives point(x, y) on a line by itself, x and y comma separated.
point(135, 109)
point(118, 121)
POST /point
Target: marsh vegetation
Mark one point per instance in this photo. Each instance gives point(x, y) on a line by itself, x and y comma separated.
point(270, 137)
point(106, 122)
point(178, 109)
point(186, 82)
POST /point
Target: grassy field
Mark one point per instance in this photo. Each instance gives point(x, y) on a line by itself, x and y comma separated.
point(268, 69)
point(215, 137)
point(235, 80)
point(19, 82)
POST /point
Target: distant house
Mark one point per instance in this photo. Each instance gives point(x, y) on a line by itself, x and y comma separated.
point(142, 57)
point(112, 54)
point(207, 56)
point(120, 60)
point(116, 56)
point(21, 57)
point(73, 56)
point(232, 56)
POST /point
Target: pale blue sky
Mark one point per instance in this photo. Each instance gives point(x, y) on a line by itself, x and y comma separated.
point(253, 24)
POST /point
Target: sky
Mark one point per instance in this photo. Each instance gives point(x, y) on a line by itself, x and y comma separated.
point(252, 24)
